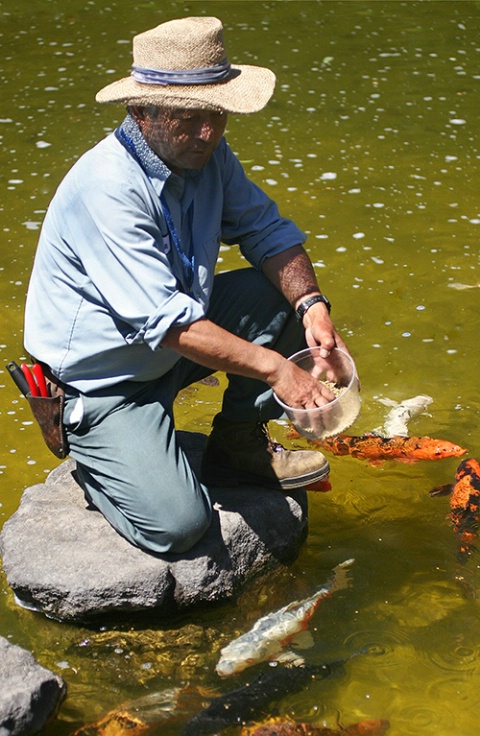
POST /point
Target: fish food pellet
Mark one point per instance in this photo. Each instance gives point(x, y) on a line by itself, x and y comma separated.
point(334, 388)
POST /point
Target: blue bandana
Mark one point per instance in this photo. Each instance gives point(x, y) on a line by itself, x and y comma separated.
point(129, 135)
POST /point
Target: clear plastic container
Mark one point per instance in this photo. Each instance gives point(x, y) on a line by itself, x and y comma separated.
point(333, 418)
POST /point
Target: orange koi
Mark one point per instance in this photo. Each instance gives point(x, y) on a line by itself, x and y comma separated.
point(464, 505)
point(376, 449)
point(282, 727)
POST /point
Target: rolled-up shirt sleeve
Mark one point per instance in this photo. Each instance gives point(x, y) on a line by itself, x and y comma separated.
point(252, 219)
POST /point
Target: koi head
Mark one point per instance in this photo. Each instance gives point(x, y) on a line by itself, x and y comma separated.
point(467, 477)
point(226, 667)
point(471, 468)
point(466, 488)
point(238, 656)
point(427, 448)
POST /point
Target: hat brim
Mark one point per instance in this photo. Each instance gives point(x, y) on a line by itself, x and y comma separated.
point(248, 90)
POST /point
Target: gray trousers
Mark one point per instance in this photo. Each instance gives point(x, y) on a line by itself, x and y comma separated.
point(128, 459)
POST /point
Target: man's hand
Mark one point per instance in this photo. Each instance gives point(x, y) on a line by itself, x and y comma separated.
point(293, 274)
point(320, 330)
point(208, 344)
point(297, 388)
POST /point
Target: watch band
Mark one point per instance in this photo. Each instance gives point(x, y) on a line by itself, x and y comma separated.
point(304, 306)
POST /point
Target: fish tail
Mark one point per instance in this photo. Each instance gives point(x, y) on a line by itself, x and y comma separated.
point(444, 490)
point(341, 578)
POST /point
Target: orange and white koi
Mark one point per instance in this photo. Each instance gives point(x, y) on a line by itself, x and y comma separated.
point(271, 633)
point(376, 449)
point(464, 505)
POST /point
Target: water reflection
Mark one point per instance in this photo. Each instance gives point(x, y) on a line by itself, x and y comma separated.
point(372, 145)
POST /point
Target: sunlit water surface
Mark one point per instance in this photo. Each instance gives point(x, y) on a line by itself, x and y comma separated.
point(372, 144)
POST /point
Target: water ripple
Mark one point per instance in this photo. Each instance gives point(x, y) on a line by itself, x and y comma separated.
point(458, 692)
point(377, 643)
point(459, 659)
point(418, 716)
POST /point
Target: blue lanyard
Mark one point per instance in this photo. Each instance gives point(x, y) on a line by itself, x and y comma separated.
point(188, 261)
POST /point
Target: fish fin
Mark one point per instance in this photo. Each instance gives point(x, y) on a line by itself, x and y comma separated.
point(289, 658)
point(320, 486)
point(388, 402)
point(302, 640)
point(395, 429)
point(444, 490)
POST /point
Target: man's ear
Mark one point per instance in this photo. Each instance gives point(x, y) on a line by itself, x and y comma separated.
point(138, 112)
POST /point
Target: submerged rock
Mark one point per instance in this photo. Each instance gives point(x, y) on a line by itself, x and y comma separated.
point(29, 694)
point(61, 557)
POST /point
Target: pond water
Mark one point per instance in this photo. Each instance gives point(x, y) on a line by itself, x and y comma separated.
point(372, 145)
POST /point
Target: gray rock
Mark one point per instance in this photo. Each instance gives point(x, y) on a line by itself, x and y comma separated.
point(62, 558)
point(29, 694)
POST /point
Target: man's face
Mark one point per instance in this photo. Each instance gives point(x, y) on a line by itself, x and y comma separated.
point(183, 139)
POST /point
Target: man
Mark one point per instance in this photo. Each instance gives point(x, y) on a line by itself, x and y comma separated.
point(125, 309)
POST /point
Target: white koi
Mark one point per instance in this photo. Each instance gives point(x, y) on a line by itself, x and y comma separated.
point(271, 633)
point(398, 417)
point(462, 287)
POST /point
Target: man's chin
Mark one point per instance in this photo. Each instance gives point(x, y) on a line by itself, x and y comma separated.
point(198, 160)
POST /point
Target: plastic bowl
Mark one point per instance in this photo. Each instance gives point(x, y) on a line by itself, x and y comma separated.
point(337, 415)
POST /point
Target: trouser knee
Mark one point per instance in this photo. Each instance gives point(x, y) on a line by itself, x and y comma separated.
point(161, 523)
point(180, 538)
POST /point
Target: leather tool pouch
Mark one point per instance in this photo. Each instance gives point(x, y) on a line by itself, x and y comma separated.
point(48, 411)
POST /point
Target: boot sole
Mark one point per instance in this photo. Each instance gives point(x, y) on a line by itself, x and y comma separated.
point(232, 479)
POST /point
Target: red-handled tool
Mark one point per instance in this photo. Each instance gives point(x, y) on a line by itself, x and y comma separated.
point(32, 384)
point(37, 371)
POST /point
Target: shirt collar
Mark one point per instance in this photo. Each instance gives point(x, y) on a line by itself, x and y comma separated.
point(130, 136)
point(128, 133)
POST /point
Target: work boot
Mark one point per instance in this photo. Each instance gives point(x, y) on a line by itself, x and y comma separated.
point(243, 452)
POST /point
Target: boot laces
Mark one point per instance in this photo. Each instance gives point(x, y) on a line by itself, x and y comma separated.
point(262, 434)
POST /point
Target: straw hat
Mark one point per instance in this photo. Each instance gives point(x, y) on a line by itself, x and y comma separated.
point(183, 63)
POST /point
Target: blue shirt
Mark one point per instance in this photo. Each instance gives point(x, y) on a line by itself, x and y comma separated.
point(108, 281)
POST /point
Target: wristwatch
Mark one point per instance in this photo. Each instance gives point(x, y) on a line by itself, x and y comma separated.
point(304, 306)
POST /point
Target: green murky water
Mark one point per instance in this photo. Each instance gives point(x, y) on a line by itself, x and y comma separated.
point(372, 145)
